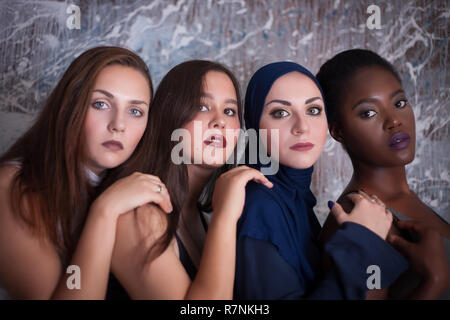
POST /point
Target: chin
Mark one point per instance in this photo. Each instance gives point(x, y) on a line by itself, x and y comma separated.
point(299, 164)
point(213, 163)
point(111, 163)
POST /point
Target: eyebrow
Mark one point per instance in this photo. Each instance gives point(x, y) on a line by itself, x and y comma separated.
point(393, 94)
point(110, 95)
point(210, 96)
point(287, 103)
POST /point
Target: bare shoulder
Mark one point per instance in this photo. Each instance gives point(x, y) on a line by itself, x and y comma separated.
point(33, 266)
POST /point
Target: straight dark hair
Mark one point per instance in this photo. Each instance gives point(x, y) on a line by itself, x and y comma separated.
point(176, 102)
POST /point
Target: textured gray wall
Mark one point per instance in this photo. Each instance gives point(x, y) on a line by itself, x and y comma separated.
point(37, 46)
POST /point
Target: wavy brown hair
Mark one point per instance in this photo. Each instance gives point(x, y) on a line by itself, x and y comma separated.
point(176, 102)
point(51, 193)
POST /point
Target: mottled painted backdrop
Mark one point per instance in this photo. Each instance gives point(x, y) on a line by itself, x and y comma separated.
point(37, 46)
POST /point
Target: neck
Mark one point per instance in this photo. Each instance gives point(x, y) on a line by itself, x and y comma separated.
point(97, 170)
point(386, 182)
point(197, 178)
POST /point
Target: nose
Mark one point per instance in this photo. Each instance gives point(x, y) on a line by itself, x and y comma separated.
point(117, 123)
point(218, 121)
point(300, 126)
point(392, 120)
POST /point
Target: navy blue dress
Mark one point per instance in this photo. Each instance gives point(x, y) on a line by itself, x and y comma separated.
point(278, 256)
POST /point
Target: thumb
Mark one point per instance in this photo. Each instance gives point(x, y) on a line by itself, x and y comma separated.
point(401, 244)
point(337, 212)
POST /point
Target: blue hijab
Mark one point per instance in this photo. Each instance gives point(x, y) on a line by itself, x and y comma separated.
point(282, 215)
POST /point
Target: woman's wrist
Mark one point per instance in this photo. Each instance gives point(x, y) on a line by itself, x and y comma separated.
point(99, 210)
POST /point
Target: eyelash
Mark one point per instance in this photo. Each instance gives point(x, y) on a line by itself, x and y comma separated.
point(401, 100)
point(140, 112)
point(278, 111)
point(225, 111)
point(318, 112)
point(364, 114)
point(95, 104)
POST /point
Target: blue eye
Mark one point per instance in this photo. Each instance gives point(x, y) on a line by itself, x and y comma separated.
point(368, 114)
point(401, 103)
point(136, 112)
point(315, 111)
point(100, 105)
point(279, 113)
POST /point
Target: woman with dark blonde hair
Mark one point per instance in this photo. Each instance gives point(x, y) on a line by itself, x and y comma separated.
point(92, 122)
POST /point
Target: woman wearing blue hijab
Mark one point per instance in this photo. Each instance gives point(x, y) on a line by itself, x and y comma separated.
point(277, 252)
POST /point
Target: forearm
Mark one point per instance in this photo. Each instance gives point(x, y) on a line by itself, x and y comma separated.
point(215, 276)
point(93, 257)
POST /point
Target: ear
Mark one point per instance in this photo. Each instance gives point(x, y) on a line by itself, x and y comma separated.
point(336, 133)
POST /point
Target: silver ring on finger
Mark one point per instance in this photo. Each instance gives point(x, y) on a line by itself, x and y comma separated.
point(381, 203)
point(373, 198)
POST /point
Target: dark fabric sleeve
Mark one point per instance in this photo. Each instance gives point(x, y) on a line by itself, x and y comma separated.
point(353, 248)
point(263, 274)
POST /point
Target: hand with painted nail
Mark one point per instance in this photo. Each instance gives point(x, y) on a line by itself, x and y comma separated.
point(367, 211)
point(427, 258)
point(229, 191)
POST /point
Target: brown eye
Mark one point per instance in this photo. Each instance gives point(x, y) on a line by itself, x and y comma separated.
point(368, 114)
point(401, 104)
point(229, 112)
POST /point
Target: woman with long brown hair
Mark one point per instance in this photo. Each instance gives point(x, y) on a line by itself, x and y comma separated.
point(92, 121)
point(178, 256)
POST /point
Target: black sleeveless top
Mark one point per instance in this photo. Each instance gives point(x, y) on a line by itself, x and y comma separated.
point(115, 291)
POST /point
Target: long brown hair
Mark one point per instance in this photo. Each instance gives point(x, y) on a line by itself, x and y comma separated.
point(51, 193)
point(176, 102)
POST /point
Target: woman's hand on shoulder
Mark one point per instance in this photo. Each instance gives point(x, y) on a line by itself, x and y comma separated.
point(427, 257)
point(229, 191)
point(368, 211)
point(132, 192)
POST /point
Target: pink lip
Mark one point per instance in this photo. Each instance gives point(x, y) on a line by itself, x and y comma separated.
point(217, 141)
point(302, 146)
point(113, 145)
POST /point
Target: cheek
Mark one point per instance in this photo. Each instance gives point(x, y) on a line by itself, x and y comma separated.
point(319, 130)
point(92, 127)
point(137, 132)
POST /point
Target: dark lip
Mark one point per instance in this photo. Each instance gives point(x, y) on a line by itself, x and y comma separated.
point(302, 145)
point(399, 141)
point(114, 142)
point(213, 137)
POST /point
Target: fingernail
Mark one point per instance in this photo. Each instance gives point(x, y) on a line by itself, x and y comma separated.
point(330, 204)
